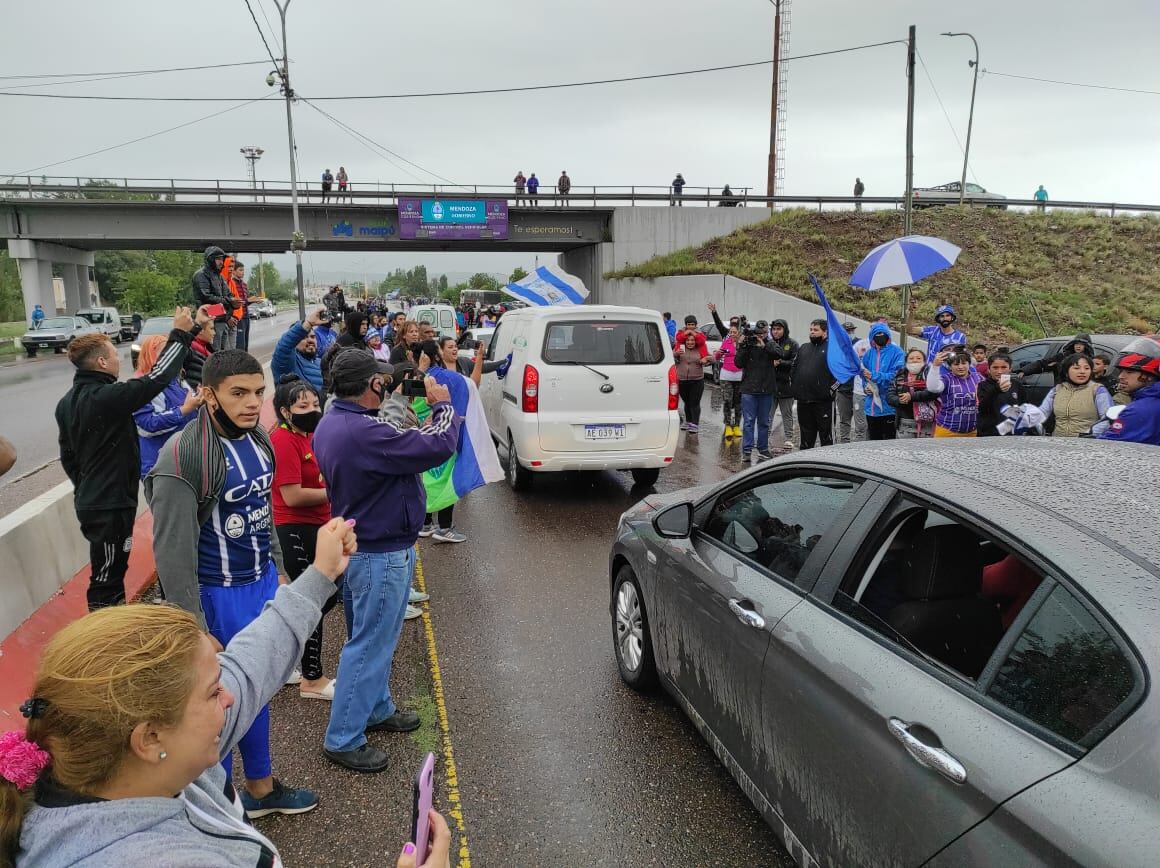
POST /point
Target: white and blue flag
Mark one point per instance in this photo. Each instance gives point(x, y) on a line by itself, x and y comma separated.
point(548, 285)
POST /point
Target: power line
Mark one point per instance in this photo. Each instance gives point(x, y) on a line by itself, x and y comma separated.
point(121, 72)
point(273, 32)
point(946, 115)
point(262, 33)
point(142, 138)
point(1072, 83)
point(519, 89)
point(348, 132)
point(381, 147)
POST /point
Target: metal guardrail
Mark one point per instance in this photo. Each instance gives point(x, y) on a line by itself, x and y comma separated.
point(181, 190)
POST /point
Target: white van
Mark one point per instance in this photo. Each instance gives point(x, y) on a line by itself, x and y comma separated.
point(589, 387)
point(442, 316)
point(105, 319)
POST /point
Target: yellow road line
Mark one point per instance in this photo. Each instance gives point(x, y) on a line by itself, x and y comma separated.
point(456, 810)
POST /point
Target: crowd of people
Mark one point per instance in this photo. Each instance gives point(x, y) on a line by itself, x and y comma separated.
point(256, 530)
point(951, 389)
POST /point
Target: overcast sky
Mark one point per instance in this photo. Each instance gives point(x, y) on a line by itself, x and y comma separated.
point(846, 114)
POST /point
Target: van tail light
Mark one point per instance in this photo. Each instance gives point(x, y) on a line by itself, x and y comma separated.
point(674, 390)
point(531, 390)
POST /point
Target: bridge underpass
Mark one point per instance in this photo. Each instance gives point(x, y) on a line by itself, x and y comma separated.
point(589, 240)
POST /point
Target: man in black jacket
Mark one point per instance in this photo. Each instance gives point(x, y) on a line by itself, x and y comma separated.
point(779, 333)
point(99, 449)
point(813, 386)
point(755, 356)
point(209, 287)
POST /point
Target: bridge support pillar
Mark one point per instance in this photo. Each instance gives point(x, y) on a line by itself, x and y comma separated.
point(35, 260)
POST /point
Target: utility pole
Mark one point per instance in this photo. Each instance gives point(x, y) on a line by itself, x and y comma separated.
point(971, 116)
point(771, 172)
point(298, 240)
point(907, 214)
point(253, 153)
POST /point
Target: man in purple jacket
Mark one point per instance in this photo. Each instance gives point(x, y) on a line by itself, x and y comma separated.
point(372, 472)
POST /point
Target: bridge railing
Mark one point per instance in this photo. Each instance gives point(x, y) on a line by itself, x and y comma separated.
point(377, 194)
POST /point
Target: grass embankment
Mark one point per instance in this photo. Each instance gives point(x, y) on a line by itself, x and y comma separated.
point(9, 331)
point(1082, 272)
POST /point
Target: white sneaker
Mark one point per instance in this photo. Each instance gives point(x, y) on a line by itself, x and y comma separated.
point(295, 677)
point(412, 613)
point(428, 529)
point(418, 596)
point(326, 693)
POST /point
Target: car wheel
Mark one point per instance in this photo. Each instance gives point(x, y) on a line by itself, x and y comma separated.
point(630, 633)
point(58, 350)
point(646, 475)
point(31, 351)
point(518, 476)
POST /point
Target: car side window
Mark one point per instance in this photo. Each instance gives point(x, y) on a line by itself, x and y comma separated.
point(1065, 671)
point(1023, 356)
point(495, 341)
point(939, 589)
point(777, 523)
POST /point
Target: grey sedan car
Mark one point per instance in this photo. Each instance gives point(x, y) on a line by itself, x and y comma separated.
point(55, 333)
point(914, 652)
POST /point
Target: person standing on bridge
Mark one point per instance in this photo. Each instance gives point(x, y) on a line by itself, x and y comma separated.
point(859, 189)
point(533, 189)
point(327, 183)
point(99, 449)
point(564, 186)
point(520, 182)
point(1041, 198)
point(209, 289)
point(343, 184)
point(677, 186)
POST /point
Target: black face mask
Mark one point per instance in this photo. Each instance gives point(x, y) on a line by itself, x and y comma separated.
point(228, 427)
point(881, 340)
point(306, 421)
point(816, 339)
point(379, 392)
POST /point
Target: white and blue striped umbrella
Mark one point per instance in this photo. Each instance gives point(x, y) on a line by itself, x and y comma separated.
point(904, 260)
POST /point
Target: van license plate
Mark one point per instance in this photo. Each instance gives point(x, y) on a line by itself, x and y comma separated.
point(44, 346)
point(603, 432)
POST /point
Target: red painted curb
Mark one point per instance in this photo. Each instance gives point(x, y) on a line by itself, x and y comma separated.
point(20, 652)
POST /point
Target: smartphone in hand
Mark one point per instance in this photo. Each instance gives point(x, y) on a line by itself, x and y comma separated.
point(215, 310)
point(424, 791)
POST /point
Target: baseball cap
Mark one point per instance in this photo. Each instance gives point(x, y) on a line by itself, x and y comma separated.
point(354, 365)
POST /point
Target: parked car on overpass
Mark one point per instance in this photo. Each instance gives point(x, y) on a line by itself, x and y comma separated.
point(915, 652)
point(55, 333)
point(948, 194)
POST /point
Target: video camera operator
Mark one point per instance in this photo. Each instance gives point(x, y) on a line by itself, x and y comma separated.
point(756, 354)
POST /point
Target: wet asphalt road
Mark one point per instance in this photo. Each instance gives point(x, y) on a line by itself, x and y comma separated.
point(558, 763)
point(29, 392)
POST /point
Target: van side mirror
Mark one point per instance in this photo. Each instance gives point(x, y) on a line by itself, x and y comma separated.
point(676, 522)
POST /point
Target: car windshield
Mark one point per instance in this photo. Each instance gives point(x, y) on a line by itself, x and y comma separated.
point(603, 342)
point(57, 322)
point(158, 325)
point(96, 317)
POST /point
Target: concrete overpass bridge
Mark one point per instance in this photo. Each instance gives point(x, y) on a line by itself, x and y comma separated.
point(593, 232)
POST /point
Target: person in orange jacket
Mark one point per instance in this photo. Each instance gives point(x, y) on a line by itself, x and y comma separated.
point(231, 324)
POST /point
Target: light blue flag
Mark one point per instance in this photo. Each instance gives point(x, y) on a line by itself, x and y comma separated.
point(548, 285)
point(841, 358)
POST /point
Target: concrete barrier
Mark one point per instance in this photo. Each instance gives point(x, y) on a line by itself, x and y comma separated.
point(41, 550)
point(685, 294)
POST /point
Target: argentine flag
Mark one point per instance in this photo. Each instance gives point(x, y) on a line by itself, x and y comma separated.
point(549, 285)
point(475, 462)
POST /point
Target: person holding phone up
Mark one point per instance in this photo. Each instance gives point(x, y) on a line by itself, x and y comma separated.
point(997, 392)
point(958, 385)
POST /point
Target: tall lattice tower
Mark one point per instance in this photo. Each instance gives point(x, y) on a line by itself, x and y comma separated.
point(782, 97)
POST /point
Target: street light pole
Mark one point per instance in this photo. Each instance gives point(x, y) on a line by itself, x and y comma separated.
point(253, 153)
point(908, 213)
point(298, 241)
point(771, 170)
point(971, 116)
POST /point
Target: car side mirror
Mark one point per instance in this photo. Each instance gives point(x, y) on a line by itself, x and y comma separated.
point(676, 522)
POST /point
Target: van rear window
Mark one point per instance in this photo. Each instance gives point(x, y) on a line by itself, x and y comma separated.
point(604, 342)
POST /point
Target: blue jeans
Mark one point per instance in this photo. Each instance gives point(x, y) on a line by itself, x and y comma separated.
point(228, 611)
point(755, 412)
point(374, 596)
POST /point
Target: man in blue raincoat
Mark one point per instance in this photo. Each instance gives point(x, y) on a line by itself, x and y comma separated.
point(880, 363)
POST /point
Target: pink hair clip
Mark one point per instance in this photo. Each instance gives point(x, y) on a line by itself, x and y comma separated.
point(21, 761)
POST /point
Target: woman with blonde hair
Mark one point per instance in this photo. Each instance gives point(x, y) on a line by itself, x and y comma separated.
point(167, 413)
point(132, 710)
point(406, 339)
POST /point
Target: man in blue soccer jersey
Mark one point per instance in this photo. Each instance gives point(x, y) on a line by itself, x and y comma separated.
point(213, 541)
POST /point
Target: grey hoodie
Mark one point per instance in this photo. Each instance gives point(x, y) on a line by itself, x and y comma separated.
point(200, 827)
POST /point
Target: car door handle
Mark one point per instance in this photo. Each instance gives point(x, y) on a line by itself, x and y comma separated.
point(748, 617)
point(926, 755)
